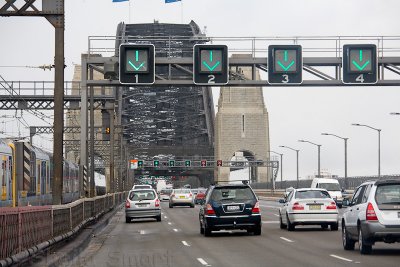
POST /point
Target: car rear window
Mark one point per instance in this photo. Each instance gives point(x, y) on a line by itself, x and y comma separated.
point(142, 186)
point(142, 195)
point(388, 194)
point(231, 193)
point(182, 191)
point(166, 191)
point(329, 186)
point(312, 194)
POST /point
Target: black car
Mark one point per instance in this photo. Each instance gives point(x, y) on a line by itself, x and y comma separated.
point(230, 206)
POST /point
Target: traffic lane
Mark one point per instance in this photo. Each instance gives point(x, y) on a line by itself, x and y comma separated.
point(237, 248)
point(143, 242)
point(313, 238)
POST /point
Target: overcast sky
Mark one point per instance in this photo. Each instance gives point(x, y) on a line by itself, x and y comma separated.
point(295, 112)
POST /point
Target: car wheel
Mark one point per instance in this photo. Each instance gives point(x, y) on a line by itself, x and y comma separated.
point(192, 206)
point(289, 225)
point(364, 248)
point(324, 226)
point(334, 226)
point(257, 230)
point(127, 219)
point(158, 218)
point(171, 206)
point(281, 225)
point(348, 243)
point(207, 231)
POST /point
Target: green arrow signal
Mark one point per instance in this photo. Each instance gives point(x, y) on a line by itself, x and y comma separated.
point(211, 68)
point(361, 59)
point(137, 59)
point(285, 58)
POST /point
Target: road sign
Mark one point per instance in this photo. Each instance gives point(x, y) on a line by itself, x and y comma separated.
point(134, 164)
point(360, 64)
point(285, 64)
point(136, 64)
point(210, 64)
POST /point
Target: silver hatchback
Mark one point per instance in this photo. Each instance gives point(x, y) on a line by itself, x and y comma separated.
point(142, 203)
point(373, 215)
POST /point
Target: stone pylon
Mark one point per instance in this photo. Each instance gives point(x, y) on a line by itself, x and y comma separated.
point(241, 125)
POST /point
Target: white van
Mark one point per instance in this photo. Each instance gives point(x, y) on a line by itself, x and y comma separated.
point(332, 186)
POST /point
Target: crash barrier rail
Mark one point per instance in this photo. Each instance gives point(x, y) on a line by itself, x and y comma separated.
point(26, 230)
point(353, 182)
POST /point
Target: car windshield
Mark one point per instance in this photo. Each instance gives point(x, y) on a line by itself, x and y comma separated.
point(139, 195)
point(182, 191)
point(388, 194)
point(166, 191)
point(222, 194)
point(311, 194)
point(329, 186)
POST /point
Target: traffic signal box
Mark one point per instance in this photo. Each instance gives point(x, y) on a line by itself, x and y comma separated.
point(140, 163)
point(210, 64)
point(171, 163)
point(203, 163)
point(187, 163)
point(360, 64)
point(136, 64)
point(285, 64)
point(156, 163)
point(219, 163)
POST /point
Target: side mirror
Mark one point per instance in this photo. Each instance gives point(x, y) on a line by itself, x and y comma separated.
point(346, 203)
point(282, 200)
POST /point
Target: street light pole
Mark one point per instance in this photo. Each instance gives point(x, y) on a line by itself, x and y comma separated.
point(379, 144)
point(346, 183)
point(280, 164)
point(297, 163)
point(319, 154)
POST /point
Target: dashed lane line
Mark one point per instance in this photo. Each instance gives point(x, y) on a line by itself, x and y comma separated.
point(203, 262)
point(176, 230)
point(169, 223)
point(286, 239)
point(340, 258)
point(185, 243)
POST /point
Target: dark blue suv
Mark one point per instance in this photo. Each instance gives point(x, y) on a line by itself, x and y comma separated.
point(228, 207)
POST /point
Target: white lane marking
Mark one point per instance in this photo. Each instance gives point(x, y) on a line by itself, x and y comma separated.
point(185, 243)
point(270, 221)
point(340, 258)
point(165, 217)
point(176, 230)
point(169, 223)
point(277, 215)
point(287, 240)
point(203, 262)
point(142, 232)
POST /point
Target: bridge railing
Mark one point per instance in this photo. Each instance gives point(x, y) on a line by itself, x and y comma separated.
point(24, 230)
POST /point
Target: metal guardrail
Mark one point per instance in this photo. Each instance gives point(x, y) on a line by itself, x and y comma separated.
point(25, 230)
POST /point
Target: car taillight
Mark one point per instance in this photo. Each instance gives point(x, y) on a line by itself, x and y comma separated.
point(331, 206)
point(371, 215)
point(297, 206)
point(210, 210)
point(256, 208)
point(127, 204)
point(190, 195)
point(157, 202)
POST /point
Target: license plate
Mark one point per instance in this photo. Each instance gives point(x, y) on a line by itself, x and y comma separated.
point(182, 197)
point(233, 208)
point(141, 205)
point(315, 207)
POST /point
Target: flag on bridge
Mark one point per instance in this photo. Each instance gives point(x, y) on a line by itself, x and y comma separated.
point(171, 1)
point(120, 0)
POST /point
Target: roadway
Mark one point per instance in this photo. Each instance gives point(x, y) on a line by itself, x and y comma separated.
point(176, 241)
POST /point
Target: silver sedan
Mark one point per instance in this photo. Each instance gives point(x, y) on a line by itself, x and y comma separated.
point(309, 206)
